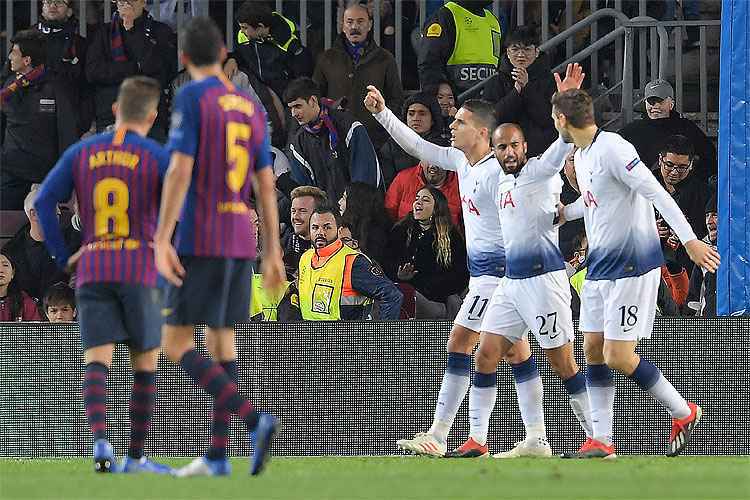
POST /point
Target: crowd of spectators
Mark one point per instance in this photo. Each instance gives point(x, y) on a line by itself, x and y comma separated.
point(403, 215)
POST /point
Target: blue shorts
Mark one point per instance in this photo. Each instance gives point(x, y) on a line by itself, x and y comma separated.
point(119, 313)
point(214, 292)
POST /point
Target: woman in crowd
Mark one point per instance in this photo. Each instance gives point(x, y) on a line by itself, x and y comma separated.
point(363, 210)
point(426, 251)
point(15, 304)
point(446, 97)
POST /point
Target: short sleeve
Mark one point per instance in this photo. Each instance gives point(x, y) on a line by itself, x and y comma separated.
point(184, 130)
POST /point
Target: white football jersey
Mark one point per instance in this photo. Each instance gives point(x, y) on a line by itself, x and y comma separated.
point(527, 204)
point(619, 193)
point(477, 185)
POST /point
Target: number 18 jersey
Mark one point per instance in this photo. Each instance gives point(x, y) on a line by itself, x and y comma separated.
point(224, 130)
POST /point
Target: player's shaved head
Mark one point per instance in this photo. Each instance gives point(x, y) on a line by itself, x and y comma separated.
point(509, 145)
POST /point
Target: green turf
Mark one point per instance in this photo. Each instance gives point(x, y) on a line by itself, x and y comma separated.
point(638, 478)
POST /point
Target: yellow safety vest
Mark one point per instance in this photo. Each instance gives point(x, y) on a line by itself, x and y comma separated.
point(476, 50)
point(324, 286)
point(263, 301)
point(242, 37)
point(576, 281)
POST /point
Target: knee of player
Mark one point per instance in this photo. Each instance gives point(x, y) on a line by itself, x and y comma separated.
point(622, 360)
point(593, 349)
point(564, 366)
point(486, 359)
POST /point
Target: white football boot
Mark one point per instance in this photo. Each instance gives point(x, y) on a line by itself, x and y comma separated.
point(424, 443)
point(529, 447)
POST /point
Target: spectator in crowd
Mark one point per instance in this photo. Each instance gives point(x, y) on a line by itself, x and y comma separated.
point(648, 135)
point(445, 94)
point(15, 304)
point(296, 240)
point(701, 298)
point(676, 160)
point(576, 269)
point(133, 43)
point(60, 303)
point(361, 207)
point(35, 270)
point(331, 149)
point(461, 44)
point(401, 193)
point(346, 235)
point(268, 47)
point(522, 88)
point(427, 251)
point(66, 53)
point(354, 62)
point(38, 120)
point(571, 229)
point(422, 114)
point(339, 283)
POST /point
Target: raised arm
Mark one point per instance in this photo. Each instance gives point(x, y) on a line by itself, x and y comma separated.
point(408, 139)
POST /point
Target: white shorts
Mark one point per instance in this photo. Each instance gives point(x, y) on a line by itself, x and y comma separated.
point(623, 309)
point(475, 303)
point(540, 304)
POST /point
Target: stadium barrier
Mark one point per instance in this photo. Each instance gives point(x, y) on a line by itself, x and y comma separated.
point(355, 388)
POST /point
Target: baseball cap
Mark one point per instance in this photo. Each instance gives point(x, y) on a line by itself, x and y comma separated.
point(659, 88)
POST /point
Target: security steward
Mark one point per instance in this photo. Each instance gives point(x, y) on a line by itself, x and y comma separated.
point(461, 44)
point(339, 283)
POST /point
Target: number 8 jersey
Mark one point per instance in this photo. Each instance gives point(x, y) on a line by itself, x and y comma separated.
point(224, 130)
point(117, 180)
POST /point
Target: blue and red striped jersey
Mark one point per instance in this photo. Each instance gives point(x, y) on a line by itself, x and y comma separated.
point(224, 130)
point(117, 179)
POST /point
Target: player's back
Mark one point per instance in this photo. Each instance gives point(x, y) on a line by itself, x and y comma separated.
point(117, 178)
point(527, 206)
point(224, 130)
point(620, 223)
point(478, 187)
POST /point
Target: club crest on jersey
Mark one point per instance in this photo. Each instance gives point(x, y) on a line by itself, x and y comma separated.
point(507, 199)
point(589, 200)
point(470, 204)
point(632, 164)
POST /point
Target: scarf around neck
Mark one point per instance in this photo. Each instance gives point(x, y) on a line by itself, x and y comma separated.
point(324, 120)
point(21, 82)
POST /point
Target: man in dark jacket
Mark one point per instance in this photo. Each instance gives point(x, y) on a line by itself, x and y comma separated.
point(522, 88)
point(132, 44)
point(330, 149)
point(461, 43)
point(38, 120)
point(701, 299)
point(66, 55)
point(295, 239)
point(354, 62)
point(421, 113)
point(674, 170)
point(268, 47)
point(648, 135)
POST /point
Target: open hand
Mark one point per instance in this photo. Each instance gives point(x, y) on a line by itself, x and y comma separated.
point(521, 77)
point(374, 101)
point(574, 76)
point(168, 263)
point(406, 271)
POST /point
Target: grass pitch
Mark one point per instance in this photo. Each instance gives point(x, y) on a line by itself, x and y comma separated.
point(638, 478)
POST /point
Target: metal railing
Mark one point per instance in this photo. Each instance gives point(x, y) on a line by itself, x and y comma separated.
point(650, 57)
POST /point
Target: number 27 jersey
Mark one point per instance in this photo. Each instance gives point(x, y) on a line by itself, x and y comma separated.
point(224, 130)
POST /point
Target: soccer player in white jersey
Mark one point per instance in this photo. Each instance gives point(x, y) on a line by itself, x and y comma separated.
point(535, 292)
point(618, 300)
point(478, 173)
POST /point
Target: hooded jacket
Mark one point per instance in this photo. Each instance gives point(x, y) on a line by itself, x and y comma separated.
point(531, 109)
point(338, 76)
point(393, 159)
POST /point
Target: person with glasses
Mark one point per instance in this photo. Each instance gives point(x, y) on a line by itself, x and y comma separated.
point(663, 121)
point(133, 43)
point(522, 88)
point(674, 169)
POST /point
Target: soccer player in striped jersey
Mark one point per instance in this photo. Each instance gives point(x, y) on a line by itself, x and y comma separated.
point(479, 174)
point(618, 300)
point(219, 145)
point(117, 180)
